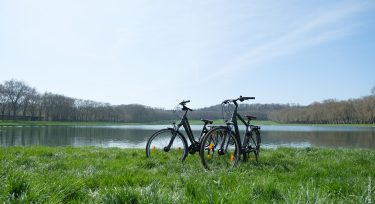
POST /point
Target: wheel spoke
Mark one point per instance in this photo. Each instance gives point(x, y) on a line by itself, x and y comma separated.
point(219, 149)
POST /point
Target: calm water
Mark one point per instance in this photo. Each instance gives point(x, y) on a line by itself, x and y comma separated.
point(136, 136)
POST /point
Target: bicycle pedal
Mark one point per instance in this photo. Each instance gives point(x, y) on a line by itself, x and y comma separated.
point(192, 151)
point(248, 150)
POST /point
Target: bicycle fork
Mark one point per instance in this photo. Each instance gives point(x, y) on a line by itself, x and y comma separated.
point(174, 134)
point(225, 143)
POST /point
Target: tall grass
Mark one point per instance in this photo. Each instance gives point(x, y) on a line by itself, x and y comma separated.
point(98, 175)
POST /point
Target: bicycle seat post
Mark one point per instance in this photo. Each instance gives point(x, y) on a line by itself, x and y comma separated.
point(174, 125)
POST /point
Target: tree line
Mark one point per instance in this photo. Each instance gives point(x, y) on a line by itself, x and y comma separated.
point(19, 101)
point(261, 111)
point(354, 111)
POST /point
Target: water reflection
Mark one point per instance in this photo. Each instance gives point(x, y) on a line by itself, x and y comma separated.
point(136, 136)
point(360, 139)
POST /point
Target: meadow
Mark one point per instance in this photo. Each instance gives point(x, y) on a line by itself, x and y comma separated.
point(113, 175)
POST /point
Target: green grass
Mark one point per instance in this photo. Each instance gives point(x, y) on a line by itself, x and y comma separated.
point(98, 175)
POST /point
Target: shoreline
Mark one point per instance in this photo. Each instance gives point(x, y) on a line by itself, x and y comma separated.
point(192, 122)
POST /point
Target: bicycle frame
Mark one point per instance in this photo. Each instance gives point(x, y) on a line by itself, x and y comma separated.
point(184, 122)
point(222, 146)
point(233, 120)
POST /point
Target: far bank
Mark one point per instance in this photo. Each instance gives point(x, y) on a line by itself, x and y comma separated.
point(164, 122)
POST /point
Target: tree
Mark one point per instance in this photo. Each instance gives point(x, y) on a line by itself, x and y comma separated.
point(29, 95)
point(15, 93)
point(3, 100)
point(35, 103)
point(58, 107)
point(373, 91)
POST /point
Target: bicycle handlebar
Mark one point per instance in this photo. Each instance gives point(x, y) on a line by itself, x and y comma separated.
point(184, 107)
point(241, 98)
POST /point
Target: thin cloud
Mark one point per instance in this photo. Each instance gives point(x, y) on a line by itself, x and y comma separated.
point(324, 27)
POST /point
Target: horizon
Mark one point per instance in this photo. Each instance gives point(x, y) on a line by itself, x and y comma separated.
point(158, 54)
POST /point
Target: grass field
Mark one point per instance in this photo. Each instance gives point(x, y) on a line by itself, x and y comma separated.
point(98, 175)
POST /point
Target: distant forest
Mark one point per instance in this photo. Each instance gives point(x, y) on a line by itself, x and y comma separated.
point(354, 111)
point(19, 101)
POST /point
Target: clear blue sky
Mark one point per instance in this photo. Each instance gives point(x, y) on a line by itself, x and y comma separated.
point(159, 52)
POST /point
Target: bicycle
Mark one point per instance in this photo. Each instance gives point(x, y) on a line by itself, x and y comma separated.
point(170, 143)
point(221, 147)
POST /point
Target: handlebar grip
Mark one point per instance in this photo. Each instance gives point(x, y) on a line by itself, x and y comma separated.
point(248, 98)
point(225, 101)
point(184, 102)
point(241, 98)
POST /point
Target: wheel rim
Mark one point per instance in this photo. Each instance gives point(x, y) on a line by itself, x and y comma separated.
point(256, 145)
point(219, 151)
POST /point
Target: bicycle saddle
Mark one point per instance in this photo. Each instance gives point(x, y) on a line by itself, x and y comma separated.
point(250, 117)
point(207, 121)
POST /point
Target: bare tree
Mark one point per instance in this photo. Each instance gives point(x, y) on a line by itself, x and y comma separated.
point(15, 92)
point(35, 103)
point(29, 94)
point(3, 100)
point(58, 107)
point(373, 91)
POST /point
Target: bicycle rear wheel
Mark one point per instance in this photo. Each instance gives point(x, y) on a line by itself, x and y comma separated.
point(219, 149)
point(158, 148)
point(252, 144)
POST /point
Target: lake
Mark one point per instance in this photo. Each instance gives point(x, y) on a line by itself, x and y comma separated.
point(135, 136)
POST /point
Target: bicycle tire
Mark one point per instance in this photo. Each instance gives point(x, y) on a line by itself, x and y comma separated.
point(258, 140)
point(252, 143)
point(214, 157)
point(156, 144)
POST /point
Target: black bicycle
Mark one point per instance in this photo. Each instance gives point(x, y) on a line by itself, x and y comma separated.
point(221, 147)
point(170, 143)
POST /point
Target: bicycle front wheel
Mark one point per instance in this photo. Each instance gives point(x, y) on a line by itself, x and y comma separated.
point(219, 149)
point(166, 145)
